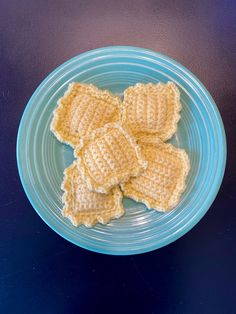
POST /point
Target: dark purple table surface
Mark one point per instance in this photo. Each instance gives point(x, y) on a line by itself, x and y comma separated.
point(42, 273)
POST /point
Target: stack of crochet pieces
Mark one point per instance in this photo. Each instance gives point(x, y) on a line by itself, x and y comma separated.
point(120, 151)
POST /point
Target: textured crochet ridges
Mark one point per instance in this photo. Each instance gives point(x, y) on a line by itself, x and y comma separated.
point(161, 184)
point(110, 156)
point(152, 109)
point(82, 109)
point(84, 207)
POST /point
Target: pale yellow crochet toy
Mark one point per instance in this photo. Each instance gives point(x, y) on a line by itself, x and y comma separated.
point(120, 145)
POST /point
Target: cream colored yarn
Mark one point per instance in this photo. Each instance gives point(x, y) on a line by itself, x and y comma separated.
point(110, 156)
point(152, 109)
point(122, 144)
point(82, 109)
point(84, 207)
point(161, 184)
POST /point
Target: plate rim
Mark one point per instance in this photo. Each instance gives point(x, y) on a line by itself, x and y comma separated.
point(220, 173)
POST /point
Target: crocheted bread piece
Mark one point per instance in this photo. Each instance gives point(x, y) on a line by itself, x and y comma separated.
point(152, 109)
point(82, 109)
point(160, 186)
point(84, 207)
point(109, 157)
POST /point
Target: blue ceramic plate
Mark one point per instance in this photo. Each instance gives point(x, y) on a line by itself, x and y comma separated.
point(42, 159)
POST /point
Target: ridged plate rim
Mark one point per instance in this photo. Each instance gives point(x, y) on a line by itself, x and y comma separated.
point(218, 176)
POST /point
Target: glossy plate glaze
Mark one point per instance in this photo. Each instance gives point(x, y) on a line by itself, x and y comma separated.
point(42, 159)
